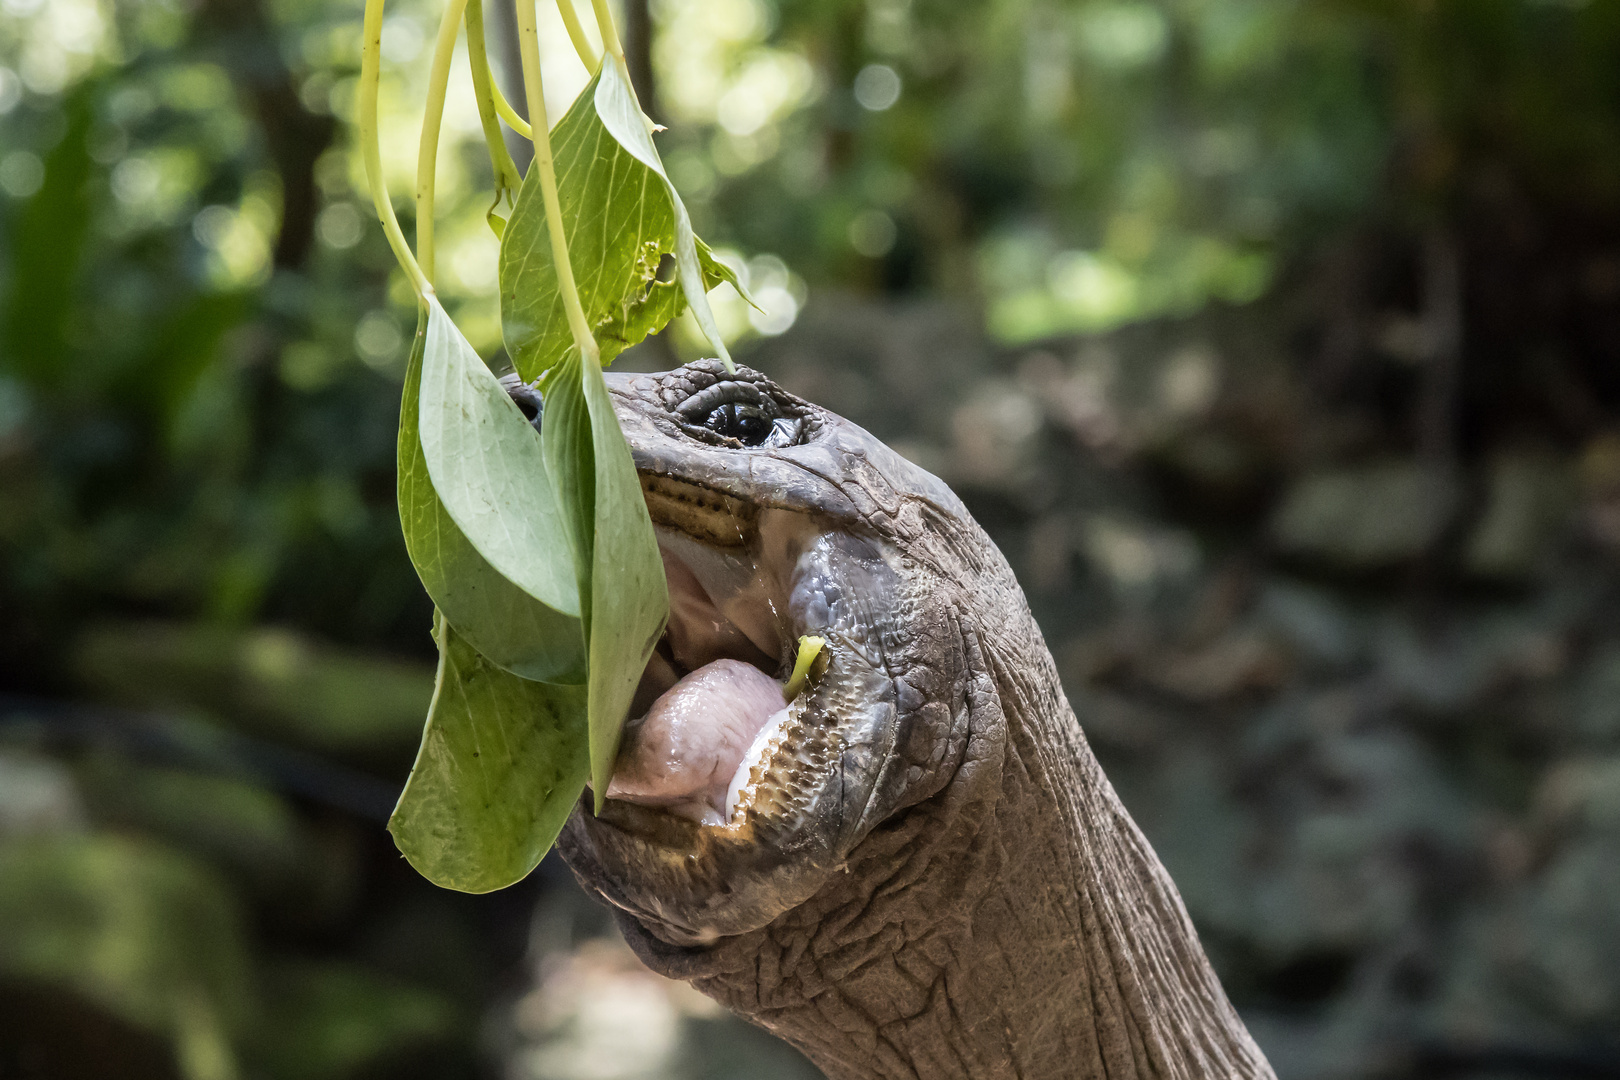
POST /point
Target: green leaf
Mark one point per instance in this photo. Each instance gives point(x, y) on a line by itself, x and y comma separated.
point(621, 224)
point(571, 465)
point(621, 575)
point(487, 465)
point(629, 598)
point(619, 112)
point(502, 762)
point(507, 625)
point(715, 271)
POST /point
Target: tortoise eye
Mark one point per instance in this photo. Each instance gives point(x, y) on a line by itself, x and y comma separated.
point(749, 424)
point(742, 413)
point(525, 397)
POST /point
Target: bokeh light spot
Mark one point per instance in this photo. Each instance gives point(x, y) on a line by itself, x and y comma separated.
point(877, 87)
point(872, 233)
point(11, 90)
point(21, 174)
point(402, 39)
point(378, 340)
point(339, 226)
point(1124, 35)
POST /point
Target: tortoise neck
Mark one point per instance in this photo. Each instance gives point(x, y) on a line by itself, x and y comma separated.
point(1017, 924)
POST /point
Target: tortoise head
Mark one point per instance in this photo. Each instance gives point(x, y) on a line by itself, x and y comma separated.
point(777, 520)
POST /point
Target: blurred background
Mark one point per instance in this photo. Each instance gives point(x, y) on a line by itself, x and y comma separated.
point(1276, 343)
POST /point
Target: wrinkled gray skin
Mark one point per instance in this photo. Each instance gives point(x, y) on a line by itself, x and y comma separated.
point(946, 885)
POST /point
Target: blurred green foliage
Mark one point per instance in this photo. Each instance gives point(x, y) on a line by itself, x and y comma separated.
point(273, 683)
point(153, 935)
point(203, 338)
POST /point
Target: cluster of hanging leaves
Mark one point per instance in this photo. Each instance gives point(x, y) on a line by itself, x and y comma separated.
point(535, 545)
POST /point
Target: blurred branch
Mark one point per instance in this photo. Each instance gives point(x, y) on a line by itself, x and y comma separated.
point(61, 726)
point(240, 32)
point(1439, 406)
point(638, 34)
point(501, 27)
point(1442, 317)
point(1344, 337)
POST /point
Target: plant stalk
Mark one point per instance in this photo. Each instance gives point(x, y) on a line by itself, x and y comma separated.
point(510, 115)
point(371, 147)
point(427, 153)
point(604, 26)
point(545, 165)
point(507, 179)
point(576, 34)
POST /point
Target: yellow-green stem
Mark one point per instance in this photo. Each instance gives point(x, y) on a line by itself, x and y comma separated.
point(809, 649)
point(510, 115)
point(576, 34)
point(427, 150)
point(371, 147)
point(545, 166)
point(500, 159)
point(605, 27)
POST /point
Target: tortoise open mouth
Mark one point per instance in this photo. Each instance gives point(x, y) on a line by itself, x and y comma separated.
point(711, 738)
point(729, 806)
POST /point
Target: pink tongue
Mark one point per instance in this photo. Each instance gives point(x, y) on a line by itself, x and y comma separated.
point(683, 755)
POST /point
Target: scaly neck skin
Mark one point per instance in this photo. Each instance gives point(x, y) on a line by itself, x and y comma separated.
point(1015, 924)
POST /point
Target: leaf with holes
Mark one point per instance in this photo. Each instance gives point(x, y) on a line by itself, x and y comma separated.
point(620, 113)
point(624, 224)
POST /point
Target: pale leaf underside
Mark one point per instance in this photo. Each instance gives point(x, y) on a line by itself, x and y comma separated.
point(507, 625)
point(501, 765)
